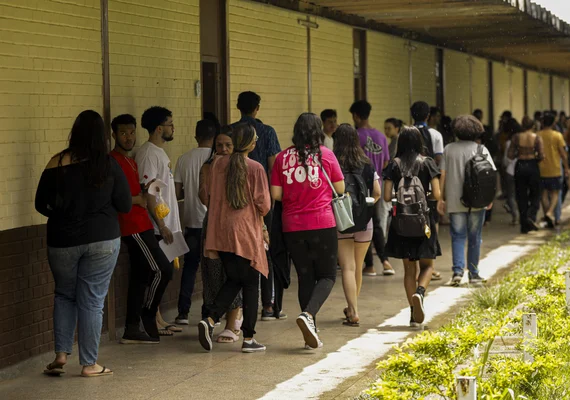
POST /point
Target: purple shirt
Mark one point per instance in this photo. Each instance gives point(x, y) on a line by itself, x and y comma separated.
point(375, 146)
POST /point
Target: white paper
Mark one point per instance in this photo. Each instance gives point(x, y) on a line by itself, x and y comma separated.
point(175, 249)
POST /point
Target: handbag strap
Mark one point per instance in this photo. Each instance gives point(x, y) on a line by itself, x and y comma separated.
point(327, 178)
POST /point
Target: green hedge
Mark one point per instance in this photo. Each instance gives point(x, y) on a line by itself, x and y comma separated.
point(427, 364)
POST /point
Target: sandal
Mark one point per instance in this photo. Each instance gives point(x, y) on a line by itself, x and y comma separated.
point(173, 328)
point(54, 369)
point(165, 332)
point(435, 276)
point(354, 323)
point(227, 336)
point(105, 371)
point(345, 311)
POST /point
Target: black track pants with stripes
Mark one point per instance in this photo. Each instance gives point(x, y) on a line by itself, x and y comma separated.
point(149, 275)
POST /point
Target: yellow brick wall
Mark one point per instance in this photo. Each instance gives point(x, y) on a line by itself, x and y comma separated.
point(50, 72)
point(456, 83)
point(481, 87)
point(423, 63)
point(538, 89)
point(332, 68)
point(155, 60)
point(502, 88)
point(268, 55)
point(388, 79)
point(560, 94)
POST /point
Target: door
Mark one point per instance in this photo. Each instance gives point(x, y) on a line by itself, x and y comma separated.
point(213, 49)
point(359, 59)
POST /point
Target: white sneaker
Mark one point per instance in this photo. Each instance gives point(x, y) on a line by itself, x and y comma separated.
point(307, 347)
point(252, 346)
point(307, 326)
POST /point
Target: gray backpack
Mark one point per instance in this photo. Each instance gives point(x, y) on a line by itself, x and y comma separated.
point(411, 217)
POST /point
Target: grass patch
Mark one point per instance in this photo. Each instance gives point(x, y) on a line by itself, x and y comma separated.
point(427, 364)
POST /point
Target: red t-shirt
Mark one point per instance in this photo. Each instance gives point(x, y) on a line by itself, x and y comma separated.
point(137, 220)
point(306, 197)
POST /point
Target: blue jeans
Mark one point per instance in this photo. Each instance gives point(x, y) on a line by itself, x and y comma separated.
point(191, 263)
point(82, 275)
point(466, 227)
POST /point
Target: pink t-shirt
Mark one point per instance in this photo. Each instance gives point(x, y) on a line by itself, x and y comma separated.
point(306, 196)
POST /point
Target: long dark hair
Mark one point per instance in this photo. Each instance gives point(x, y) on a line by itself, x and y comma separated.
point(347, 148)
point(226, 130)
point(410, 146)
point(308, 136)
point(236, 175)
point(88, 145)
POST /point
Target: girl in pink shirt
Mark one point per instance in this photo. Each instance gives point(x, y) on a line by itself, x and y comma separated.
point(309, 225)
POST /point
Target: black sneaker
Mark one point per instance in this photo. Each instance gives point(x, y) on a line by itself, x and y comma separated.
point(307, 326)
point(413, 324)
point(268, 315)
point(252, 346)
point(456, 279)
point(182, 319)
point(149, 324)
point(476, 278)
point(138, 337)
point(281, 315)
point(205, 333)
point(418, 312)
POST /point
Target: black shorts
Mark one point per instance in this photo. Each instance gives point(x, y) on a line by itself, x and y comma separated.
point(551, 184)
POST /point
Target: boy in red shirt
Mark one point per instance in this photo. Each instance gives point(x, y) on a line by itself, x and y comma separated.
point(150, 269)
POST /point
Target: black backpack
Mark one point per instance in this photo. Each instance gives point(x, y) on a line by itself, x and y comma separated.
point(480, 183)
point(428, 144)
point(412, 211)
point(357, 188)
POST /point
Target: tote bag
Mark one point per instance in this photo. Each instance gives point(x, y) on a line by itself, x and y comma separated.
point(342, 207)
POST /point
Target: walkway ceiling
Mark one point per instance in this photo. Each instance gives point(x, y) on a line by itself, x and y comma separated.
point(518, 31)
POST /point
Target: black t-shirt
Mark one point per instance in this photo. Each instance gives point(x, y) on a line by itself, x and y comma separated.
point(78, 213)
point(428, 171)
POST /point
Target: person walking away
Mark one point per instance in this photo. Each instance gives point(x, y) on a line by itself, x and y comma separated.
point(150, 271)
point(375, 146)
point(415, 251)
point(466, 221)
point(264, 153)
point(187, 184)
point(551, 180)
point(433, 148)
point(330, 125)
point(213, 275)
point(352, 247)
point(153, 163)
point(299, 181)
point(81, 191)
point(239, 199)
point(512, 127)
point(527, 148)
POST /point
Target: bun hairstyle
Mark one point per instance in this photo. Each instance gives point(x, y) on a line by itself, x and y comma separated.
point(243, 136)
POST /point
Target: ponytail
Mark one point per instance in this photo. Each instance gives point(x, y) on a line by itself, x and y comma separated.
point(236, 179)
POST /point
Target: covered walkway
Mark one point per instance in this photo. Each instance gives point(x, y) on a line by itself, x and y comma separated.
point(178, 368)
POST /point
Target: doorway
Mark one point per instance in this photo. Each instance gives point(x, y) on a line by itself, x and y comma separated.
point(359, 60)
point(214, 58)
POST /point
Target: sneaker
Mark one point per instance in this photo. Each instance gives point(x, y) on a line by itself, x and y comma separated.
point(268, 315)
point(476, 278)
point(418, 312)
point(282, 315)
point(307, 326)
point(456, 279)
point(307, 347)
point(182, 319)
point(138, 337)
point(205, 333)
point(252, 346)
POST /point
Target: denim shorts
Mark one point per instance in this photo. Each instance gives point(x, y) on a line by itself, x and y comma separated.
point(551, 183)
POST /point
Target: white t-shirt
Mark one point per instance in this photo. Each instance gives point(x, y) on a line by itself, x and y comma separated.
point(153, 163)
point(188, 174)
point(329, 142)
point(436, 141)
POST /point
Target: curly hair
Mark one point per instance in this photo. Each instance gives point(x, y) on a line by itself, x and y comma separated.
point(308, 136)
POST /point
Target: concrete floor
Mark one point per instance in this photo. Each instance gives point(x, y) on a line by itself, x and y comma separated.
point(178, 368)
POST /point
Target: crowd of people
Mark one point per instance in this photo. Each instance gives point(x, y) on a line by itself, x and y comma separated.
point(251, 209)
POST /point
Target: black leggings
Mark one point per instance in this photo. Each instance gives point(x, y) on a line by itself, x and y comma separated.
point(240, 276)
point(527, 188)
point(378, 240)
point(314, 254)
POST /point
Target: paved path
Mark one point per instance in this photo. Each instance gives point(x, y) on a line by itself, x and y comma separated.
point(178, 368)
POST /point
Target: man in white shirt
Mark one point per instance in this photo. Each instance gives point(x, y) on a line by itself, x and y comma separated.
point(154, 163)
point(187, 182)
point(330, 125)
